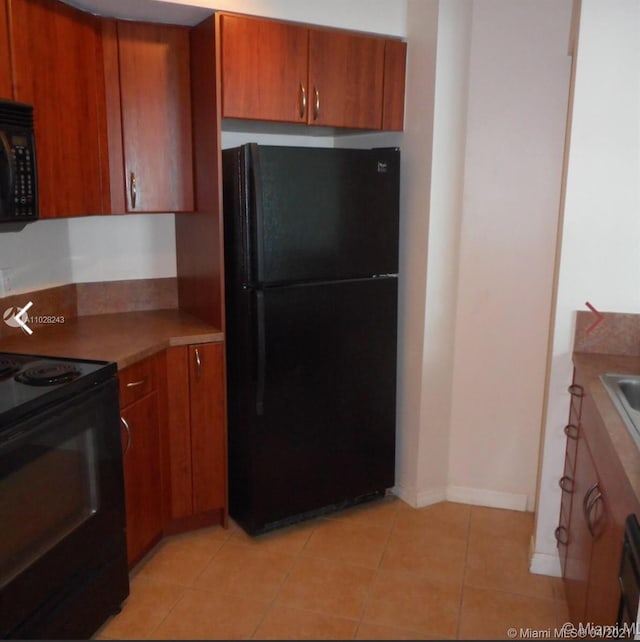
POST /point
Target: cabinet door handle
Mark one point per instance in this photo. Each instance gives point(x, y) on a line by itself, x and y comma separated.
point(198, 365)
point(126, 427)
point(575, 390)
point(135, 384)
point(592, 504)
point(133, 189)
point(587, 505)
point(303, 100)
point(316, 105)
point(559, 532)
point(566, 484)
point(587, 495)
point(571, 431)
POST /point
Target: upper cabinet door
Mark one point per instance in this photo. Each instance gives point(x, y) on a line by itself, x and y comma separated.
point(57, 61)
point(287, 72)
point(395, 57)
point(5, 53)
point(345, 79)
point(155, 100)
point(265, 69)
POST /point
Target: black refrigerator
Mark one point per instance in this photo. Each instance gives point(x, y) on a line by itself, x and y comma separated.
point(311, 267)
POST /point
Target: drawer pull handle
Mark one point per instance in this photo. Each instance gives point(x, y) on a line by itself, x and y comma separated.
point(571, 431)
point(126, 427)
point(135, 384)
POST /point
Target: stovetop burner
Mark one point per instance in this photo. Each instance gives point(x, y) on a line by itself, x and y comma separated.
point(8, 367)
point(30, 382)
point(48, 374)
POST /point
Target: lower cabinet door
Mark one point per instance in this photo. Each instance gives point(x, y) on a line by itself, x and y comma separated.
point(142, 475)
point(196, 436)
point(208, 442)
point(580, 539)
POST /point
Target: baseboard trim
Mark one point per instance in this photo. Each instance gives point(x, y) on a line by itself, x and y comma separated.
point(545, 564)
point(417, 499)
point(489, 498)
point(460, 495)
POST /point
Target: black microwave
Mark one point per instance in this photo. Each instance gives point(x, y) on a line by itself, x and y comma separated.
point(18, 175)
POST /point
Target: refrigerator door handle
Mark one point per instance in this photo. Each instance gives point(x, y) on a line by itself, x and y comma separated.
point(258, 213)
point(261, 353)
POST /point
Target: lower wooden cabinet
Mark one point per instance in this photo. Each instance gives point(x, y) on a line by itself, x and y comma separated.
point(173, 429)
point(142, 456)
point(196, 437)
point(600, 498)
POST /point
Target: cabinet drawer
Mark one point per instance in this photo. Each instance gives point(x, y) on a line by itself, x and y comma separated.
point(136, 381)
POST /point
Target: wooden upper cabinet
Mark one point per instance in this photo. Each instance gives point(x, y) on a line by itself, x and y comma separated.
point(155, 102)
point(287, 72)
point(6, 90)
point(57, 67)
point(265, 69)
point(345, 79)
point(395, 62)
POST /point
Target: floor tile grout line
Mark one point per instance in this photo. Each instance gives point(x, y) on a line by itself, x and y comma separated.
point(464, 573)
point(376, 573)
point(272, 602)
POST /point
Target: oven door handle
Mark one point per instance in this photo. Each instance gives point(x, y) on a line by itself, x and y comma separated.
point(14, 436)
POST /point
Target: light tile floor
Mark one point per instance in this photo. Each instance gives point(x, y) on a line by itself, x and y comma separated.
point(382, 570)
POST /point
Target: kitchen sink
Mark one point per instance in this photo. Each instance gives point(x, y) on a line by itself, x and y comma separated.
point(624, 391)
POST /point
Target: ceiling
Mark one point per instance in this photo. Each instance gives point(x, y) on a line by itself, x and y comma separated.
point(145, 10)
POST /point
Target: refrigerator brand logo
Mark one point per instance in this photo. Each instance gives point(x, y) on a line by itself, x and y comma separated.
point(382, 167)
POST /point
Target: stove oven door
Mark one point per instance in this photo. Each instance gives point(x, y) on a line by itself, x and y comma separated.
point(63, 566)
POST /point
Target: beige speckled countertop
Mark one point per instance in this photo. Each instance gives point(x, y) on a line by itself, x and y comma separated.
point(591, 366)
point(123, 337)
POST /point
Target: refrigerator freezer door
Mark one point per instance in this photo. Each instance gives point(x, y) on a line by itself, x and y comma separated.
point(308, 214)
point(322, 430)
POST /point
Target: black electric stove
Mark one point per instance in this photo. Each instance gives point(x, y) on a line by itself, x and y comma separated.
point(28, 383)
point(63, 554)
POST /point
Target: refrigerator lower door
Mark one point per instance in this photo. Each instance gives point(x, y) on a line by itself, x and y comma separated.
point(315, 426)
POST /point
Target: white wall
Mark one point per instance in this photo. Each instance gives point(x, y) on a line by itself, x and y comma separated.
point(376, 16)
point(432, 180)
point(518, 91)
point(443, 246)
point(600, 257)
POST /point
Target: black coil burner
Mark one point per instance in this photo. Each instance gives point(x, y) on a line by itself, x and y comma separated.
point(8, 367)
point(48, 374)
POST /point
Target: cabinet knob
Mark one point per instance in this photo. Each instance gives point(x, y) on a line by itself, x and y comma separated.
point(133, 190)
